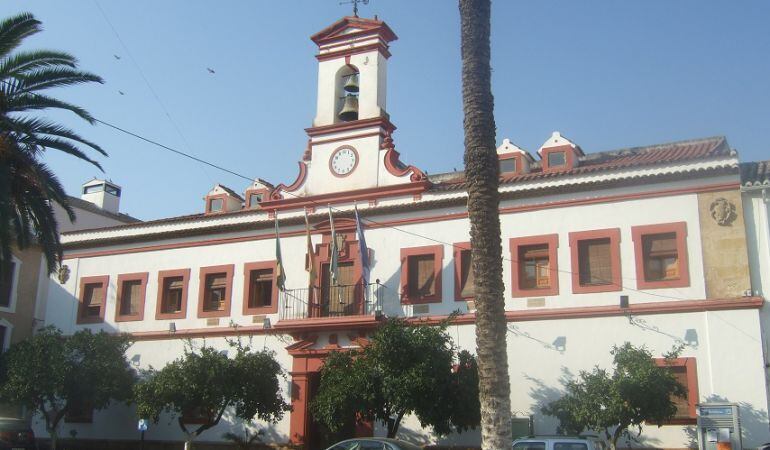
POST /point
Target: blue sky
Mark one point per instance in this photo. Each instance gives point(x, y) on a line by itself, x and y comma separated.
point(607, 74)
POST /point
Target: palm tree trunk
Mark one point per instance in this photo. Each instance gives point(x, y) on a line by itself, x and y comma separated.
point(482, 177)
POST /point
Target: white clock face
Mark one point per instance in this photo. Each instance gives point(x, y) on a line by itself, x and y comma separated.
point(343, 161)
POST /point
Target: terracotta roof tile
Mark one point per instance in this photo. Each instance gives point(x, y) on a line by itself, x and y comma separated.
point(618, 159)
point(755, 174)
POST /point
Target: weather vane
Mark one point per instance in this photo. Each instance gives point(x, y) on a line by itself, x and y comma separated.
point(355, 5)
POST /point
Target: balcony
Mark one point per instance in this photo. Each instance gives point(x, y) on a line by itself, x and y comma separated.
point(349, 306)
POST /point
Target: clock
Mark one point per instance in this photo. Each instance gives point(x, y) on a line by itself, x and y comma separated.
point(343, 161)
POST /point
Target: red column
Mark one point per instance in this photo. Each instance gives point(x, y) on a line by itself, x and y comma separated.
point(298, 424)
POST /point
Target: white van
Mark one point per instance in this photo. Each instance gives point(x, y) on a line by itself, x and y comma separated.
point(558, 443)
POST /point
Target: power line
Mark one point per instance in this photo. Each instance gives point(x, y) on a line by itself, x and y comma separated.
point(146, 81)
point(370, 221)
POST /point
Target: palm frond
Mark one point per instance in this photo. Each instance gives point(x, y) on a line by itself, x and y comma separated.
point(14, 29)
point(28, 188)
point(47, 78)
point(61, 145)
point(34, 126)
point(22, 62)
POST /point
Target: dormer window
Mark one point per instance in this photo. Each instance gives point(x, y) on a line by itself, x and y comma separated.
point(557, 159)
point(559, 154)
point(508, 165)
point(94, 188)
point(215, 204)
point(255, 199)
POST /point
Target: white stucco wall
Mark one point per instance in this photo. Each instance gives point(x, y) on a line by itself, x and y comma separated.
point(729, 352)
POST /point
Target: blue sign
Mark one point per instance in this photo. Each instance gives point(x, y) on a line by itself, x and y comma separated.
point(142, 425)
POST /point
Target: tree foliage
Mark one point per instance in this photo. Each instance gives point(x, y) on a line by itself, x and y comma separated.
point(27, 186)
point(637, 391)
point(207, 382)
point(404, 370)
point(52, 374)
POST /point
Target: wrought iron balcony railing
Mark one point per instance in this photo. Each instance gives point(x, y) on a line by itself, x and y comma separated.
point(332, 301)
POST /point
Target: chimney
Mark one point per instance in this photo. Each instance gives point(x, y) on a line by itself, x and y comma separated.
point(102, 193)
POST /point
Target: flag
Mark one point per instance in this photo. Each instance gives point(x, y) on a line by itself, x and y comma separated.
point(363, 249)
point(334, 251)
point(310, 262)
point(280, 275)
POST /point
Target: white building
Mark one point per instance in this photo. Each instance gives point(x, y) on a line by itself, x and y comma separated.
point(23, 293)
point(662, 225)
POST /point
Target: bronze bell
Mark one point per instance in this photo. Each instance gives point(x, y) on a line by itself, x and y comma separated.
point(351, 86)
point(349, 108)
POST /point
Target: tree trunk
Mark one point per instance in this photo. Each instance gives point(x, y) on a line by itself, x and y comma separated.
point(54, 438)
point(482, 177)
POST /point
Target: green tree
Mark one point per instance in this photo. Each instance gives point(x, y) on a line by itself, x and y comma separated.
point(53, 374)
point(637, 391)
point(482, 178)
point(208, 382)
point(27, 186)
point(404, 370)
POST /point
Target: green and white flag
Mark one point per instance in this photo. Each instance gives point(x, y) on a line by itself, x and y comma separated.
point(280, 275)
point(334, 251)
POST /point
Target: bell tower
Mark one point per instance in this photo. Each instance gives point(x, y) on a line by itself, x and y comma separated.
point(350, 146)
point(352, 70)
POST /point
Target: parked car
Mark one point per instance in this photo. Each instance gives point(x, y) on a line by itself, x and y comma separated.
point(373, 443)
point(559, 443)
point(15, 434)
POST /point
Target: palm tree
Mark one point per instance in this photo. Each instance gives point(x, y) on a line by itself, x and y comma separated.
point(481, 175)
point(28, 188)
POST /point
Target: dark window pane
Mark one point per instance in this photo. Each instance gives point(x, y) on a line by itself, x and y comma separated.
point(529, 446)
point(661, 258)
point(595, 262)
point(6, 285)
point(508, 165)
point(93, 189)
point(216, 290)
point(172, 294)
point(255, 199)
point(261, 288)
point(421, 275)
point(93, 299)
point(534, 265)
point(130, 297)
point(569, 446)
point(556, 159)
point(215, 204)
point(467, 281)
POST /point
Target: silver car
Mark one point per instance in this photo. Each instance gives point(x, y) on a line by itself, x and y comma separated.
point(558, 443)
point(373, 443)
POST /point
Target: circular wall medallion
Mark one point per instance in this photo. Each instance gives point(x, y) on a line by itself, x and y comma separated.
point(723, 211)
point(343, 161)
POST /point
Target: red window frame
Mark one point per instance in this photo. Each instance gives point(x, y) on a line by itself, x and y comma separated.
point(574, 243)
point(552, 241)
point(438, 264)
point(104, 280)
point(569, 158)
point(680, 229)
point(247, 269)
point(204, 271)
point(519, 162)
point(458, 249)
point(209, 198)
point(691, 369)
point(162, 275)
point(122, 278)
